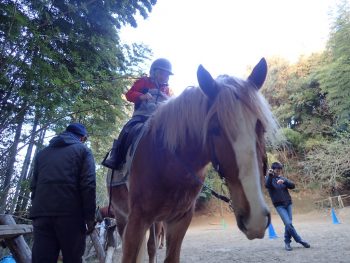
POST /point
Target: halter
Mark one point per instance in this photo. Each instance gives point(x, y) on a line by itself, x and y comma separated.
point(216, 166)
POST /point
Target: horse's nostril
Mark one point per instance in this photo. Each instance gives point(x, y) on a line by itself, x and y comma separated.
point(240, 223)
point(268, 219)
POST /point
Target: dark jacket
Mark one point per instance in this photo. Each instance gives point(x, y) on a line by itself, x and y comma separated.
point(64, 179)
point(279, 192)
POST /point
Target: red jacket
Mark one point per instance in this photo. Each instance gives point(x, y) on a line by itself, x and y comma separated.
point(141, 86)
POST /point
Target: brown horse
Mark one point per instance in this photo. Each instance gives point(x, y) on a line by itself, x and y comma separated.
point(119, 204)
point(224, 121)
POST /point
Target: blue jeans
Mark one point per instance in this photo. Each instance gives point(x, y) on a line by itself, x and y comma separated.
point(285, 213)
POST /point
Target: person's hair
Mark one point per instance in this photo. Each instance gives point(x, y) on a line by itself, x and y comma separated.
point(276, 165)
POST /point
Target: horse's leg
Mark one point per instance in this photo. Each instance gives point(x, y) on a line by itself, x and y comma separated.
point(175, 233)
point(119, 204)
point(152, 243)
point(155, 240)
point(161, 235)
point(134, 234)
point(121, 224)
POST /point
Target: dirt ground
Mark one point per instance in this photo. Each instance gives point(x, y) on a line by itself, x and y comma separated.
point(217, 239)
point(212, 238)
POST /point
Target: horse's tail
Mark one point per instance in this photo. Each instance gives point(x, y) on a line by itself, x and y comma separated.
point(142, 251)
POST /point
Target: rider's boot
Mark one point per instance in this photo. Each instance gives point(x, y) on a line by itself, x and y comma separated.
point(111, 160)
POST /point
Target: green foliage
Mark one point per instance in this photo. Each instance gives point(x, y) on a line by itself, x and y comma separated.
point(314, 142)
point(271, 158)
point(274, 88)
point(294, 138)
point(335, 74)
point(328, 166)
point(311, 100)
point(62, 61)
point(101, 188)
point(214, 182)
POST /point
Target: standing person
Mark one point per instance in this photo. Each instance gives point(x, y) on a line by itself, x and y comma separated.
point(278, 189)
point(146, 94)
point(63, 197)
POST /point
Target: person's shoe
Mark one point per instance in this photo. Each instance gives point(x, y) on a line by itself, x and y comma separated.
point(110, 163)
point(305, 244)
point(110, 160)
point(288, 247)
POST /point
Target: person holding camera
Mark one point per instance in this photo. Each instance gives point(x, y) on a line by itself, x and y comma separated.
point(278, 186)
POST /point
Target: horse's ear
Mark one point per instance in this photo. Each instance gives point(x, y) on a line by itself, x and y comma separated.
point(206, 82)
point(259, 73)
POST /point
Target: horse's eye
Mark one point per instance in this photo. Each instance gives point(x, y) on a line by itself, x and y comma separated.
point(214, 126)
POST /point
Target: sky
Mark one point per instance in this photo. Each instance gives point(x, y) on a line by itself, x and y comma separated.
point(228, 36)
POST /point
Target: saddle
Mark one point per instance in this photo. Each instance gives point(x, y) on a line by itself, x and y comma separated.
point(116, 157)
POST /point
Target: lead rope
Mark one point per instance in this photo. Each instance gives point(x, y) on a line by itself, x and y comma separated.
point(217, 195)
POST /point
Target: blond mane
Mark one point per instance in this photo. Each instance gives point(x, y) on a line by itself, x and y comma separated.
point(186, 118)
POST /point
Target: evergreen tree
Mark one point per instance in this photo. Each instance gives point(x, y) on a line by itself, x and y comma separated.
point(62, 61)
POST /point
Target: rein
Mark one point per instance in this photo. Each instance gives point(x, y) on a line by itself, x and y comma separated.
point(217, 168)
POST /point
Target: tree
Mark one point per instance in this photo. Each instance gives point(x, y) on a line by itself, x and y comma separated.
point(298, 101)
point(328, 167)
point(275, 89)
point(335, 75)
point(62, 61)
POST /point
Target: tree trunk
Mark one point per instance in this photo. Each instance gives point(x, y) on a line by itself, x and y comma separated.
point(11, 162)
point(26, 193)
point(25, 167)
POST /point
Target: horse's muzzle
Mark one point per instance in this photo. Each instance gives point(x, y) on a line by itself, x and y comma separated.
point(253, 232)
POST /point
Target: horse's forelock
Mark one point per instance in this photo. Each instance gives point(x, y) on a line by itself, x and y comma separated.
point(238, 101)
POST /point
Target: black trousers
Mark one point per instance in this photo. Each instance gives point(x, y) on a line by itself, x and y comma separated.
point(55, 234)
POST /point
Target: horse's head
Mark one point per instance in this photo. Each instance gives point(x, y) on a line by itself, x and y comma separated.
point(235, 127)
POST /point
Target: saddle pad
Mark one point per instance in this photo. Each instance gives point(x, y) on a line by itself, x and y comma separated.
point(119, 177)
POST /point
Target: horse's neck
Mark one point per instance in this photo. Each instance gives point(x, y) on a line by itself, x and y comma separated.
point(194, 156)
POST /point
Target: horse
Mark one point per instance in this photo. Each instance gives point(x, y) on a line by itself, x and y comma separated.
point(119, 205)
point(225, 121)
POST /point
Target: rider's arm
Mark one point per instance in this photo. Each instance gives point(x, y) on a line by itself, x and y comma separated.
point(134, 93)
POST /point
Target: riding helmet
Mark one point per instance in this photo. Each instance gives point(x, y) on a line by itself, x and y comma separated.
point(163, 64)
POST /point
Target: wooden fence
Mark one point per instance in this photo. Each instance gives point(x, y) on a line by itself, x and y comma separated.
point(12, 234)
point(333, 202)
